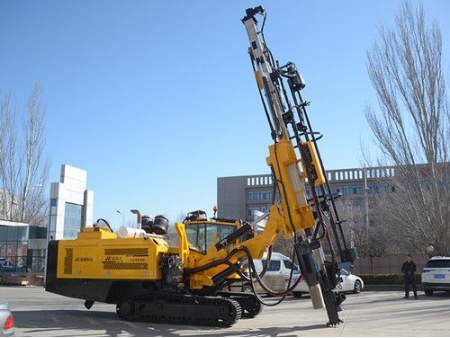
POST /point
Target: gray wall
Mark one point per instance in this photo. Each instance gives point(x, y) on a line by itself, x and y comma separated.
point(231, 196)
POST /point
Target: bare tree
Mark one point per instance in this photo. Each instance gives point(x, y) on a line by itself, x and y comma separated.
point(8, 170)
point(372, 242)
point(180, 217)
point(411, 127)
point(376, 240)
point(23, 164)
point(286, 247)
point(172, 234)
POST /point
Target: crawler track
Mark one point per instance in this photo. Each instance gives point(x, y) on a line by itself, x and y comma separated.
point(181, 309)
point(250, 305)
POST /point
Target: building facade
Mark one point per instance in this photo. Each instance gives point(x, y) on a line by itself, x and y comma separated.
point(239, 196)
point(71, 204)
point(22, 247)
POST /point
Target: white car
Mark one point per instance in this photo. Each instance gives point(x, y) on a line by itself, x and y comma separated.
point(436, 275)
point(349, 283)
point(6, 321)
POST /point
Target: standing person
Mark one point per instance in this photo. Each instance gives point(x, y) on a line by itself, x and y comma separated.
point(409, 269)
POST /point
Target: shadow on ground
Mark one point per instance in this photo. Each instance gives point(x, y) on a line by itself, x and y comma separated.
point(76, 322)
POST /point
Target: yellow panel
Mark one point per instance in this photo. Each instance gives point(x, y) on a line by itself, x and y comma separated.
point(96, 233)
point(297, 213)
point(258, 80)
point(184, 244)
point(320, 179)
point(128, 258)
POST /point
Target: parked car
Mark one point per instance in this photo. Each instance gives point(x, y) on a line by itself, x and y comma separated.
point(348, 283)
point(6, 321)
point(436, 275)
point(277, 274)
point(6, 266)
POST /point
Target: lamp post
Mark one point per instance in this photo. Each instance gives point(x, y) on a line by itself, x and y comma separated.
point(366, 200)
point(123, 217)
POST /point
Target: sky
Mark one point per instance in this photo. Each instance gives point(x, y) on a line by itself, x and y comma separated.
point(156, 99)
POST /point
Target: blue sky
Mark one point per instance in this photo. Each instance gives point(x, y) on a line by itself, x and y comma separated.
point(156, 99)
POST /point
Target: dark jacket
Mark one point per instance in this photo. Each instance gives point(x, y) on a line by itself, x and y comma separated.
point(409, 268)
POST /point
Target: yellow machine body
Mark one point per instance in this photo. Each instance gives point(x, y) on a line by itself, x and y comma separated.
point(99, 254)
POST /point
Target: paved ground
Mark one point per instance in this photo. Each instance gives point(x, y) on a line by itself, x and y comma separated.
point(38, 313)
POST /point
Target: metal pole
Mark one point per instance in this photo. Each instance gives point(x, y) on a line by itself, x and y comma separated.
point(123, 217)
point(366, 200)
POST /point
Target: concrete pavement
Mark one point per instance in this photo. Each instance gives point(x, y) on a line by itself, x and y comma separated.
point(38, 313)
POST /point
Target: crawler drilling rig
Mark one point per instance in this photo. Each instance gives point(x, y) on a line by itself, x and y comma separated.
point(150, 280)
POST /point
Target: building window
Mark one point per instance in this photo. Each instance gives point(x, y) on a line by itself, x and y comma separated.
point(379, 188)
point(36, 259)
point(13, 248)
point(37, 232)
point(358, 204)
point(52, 218)
point(259, 195)
point(350, 190)
point(318, 191)
point(251, 209)
point(374, 188)
point(73, 220)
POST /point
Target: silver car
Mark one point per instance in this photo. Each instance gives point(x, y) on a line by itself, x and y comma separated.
point(278, 272)
point(6, 321)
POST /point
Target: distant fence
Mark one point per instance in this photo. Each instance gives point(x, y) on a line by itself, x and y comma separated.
point(388, 264)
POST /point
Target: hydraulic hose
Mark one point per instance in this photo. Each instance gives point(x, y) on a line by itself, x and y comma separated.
point(106, 222)
point(263, 285)
point(253, 272)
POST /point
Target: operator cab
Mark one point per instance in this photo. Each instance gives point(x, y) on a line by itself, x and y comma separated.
point(203, 233)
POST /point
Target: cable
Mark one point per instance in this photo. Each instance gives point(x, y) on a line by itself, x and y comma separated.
point(106, 222)
point(316, 231)
point(266, 265)
point(269, 291)
point(263, 23)
point(253, 272)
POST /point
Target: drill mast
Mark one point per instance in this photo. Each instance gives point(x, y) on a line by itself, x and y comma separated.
point(310, 209)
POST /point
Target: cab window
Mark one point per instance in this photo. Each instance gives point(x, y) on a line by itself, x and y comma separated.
point(202, 235)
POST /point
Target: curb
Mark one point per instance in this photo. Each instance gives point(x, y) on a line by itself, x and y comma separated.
point(387, 287)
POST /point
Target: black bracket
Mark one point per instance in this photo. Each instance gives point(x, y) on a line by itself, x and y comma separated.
point(251, 12)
